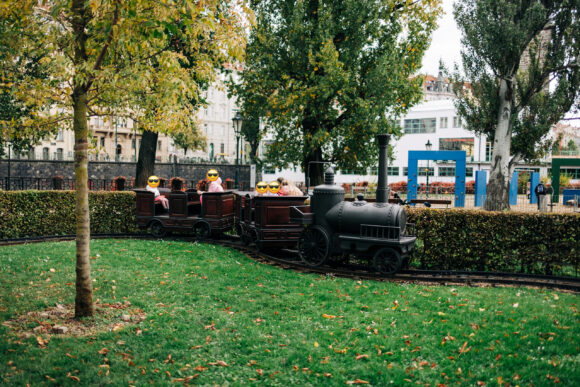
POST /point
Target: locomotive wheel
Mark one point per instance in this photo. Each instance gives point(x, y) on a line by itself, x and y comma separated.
point(387, 261)
point(313, 246)
point(158, 230)
point(201, 230)
point(245, 238)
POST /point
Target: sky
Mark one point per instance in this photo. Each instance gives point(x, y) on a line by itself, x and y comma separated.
point(445, 43)
point(446, 46)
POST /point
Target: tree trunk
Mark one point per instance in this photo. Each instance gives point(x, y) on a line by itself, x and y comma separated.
point(499, 177)
point(313, 168)
point(146, 161)
point(84, 287)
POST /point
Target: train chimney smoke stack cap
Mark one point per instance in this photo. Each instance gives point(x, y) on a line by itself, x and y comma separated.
point(329, 176)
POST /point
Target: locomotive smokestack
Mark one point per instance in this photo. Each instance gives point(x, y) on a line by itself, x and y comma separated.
point(382, 189)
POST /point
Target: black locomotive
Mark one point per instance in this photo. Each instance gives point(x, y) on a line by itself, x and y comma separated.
point(335, 227)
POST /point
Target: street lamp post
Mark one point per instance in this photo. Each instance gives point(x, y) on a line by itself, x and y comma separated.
point(428, 146)
point(237, 124)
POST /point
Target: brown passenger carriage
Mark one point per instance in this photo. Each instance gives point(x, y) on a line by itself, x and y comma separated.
point(209, 215)
point(265, 220)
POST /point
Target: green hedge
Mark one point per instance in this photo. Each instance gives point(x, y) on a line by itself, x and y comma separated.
point(39, 213)
point(452, 239)
point(497, 241)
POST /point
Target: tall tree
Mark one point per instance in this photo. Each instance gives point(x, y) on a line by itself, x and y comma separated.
point(521, 59)
point(21, 124)
point(111, 52)
point(327, 75)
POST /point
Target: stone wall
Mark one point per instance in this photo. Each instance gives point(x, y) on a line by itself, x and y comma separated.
point(100, 170)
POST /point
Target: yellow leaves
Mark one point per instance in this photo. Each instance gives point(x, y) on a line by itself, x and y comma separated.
point(220, 363)
point(316, 345)
point(357, 381)
point(463, 349)
point(447, 338)
point(185, 380)
point(329, 316)
point(41, 342)
point(71, 377)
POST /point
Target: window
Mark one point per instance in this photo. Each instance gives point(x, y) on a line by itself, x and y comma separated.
point(45, 153)
point(446, 171)
point(423, 171)
point(119, 149)
point(133, 143)
point(488, 151)
point(405, 171)
point(222, 148)
point(158, 145)
point(356, 171)
point(456, 122)
point(60, 135)
point(469, 172)
point(391, 171)
point(59, 153)
point(269, 169)
point(103, 141)
point(211, 151)
point(465, 144)
point(574, 173)
point(443, 122)
point(423, 125)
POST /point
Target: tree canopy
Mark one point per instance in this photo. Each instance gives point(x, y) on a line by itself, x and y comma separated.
point(521, 61)
point(132, 56)
point(327, 75)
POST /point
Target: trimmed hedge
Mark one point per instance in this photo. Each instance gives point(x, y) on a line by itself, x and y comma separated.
point(496, 241)
point(453, 239)
point(39, 213)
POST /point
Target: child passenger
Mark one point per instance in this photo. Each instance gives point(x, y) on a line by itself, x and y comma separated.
point(289, 189)
point(152, 184)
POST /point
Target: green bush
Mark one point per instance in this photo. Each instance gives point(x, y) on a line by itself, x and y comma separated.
point(40, 213)
point(496, 241)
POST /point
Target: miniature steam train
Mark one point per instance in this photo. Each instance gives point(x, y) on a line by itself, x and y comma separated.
point(329, 226)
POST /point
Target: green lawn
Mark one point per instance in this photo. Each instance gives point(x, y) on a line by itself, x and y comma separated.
point(207, 315)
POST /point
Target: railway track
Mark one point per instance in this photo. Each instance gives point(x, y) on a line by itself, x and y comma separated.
point(288, 259)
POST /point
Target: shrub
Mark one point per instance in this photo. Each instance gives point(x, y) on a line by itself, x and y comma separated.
point(40, 213)
point(460, 239)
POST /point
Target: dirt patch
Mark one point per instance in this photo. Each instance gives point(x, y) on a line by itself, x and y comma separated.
point(59, 320)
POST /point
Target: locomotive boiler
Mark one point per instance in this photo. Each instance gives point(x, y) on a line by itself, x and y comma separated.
point(334, 227)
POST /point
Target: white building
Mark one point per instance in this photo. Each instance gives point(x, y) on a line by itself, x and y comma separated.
point(435, 121)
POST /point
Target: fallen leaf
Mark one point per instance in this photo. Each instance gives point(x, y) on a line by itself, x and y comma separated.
point(186, 379)
point(357, 381)
point(328, 315)
point(72, 377)
point(200, 368)
point(362, 357)
point(41, 342)
point(219, 363)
